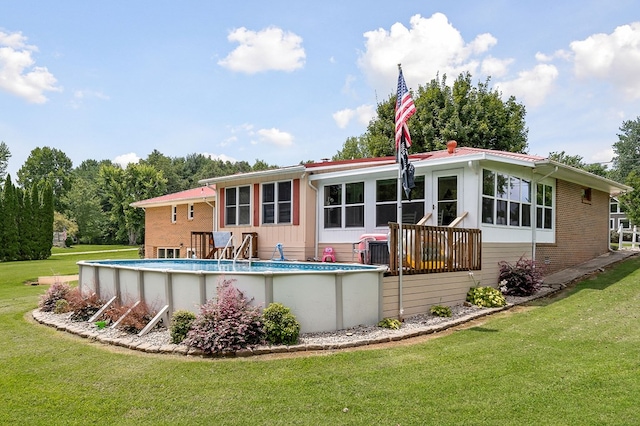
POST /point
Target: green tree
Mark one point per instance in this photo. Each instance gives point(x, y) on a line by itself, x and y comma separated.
point(473, 116)
point(50, 165)
point(577, 162)
point(123, 187)
point(626, 150)
point(169, 167)
point(631, 200)
point(9, 242)
point(5, 154)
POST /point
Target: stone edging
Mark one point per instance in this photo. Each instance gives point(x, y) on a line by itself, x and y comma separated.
point(131, 342)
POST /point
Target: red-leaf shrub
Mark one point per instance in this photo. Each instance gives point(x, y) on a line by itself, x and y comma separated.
point(228, 323)
point(57, 291)
point(522, 279)
point(83, 307)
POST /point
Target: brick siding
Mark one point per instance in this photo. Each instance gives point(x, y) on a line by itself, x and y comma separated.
point(160, 232)
point(582, 228)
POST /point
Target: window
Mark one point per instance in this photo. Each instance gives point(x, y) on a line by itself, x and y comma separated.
point(344, 204)
point(174, 214)
point(544, 209)
point(190, 212)
point(506, 200)
point(276, 202)
point(168, 253)
point(238, 205)
point(613, 207)
point(586, 195)
point(387, 202)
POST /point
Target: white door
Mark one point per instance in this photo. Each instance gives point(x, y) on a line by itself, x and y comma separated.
point(447, 196)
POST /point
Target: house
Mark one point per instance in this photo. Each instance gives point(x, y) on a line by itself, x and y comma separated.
point(523, 205)
point(618, 217)
point(170, 220)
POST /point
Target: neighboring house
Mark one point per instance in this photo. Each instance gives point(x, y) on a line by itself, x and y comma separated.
point(523, 205)
point(171, 219)
point(617, 216)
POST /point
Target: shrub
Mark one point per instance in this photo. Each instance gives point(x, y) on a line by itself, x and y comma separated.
point(134, 321)
point(280, 325)
point(227, 324)
point(440, 311)
point(391, 323)
point(180, 324)
point(522, 279)
point(62, 306)
point(486, 297)
point(57, 291)
point(83, 307)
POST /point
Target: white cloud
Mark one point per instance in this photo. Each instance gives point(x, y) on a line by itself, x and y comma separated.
point(268, 49)
point(531, 87)
point(495, 67)
point(18, 73)
point(604, 156)
point(276, 137)
point(430, 46)
point(363, 114)
point(612, 57)
point(125, 159)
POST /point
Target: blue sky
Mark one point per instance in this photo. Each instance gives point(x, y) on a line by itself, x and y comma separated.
point(286, 82)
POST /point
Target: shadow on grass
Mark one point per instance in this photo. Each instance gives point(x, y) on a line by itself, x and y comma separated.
point(598, 280)
point(483, 330)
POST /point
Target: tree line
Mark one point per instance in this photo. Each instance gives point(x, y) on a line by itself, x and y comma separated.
point(26, 221)
point(93, 199)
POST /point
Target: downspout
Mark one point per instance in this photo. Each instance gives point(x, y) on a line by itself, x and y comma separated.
point(317, 232)
point(534, 211)
point(213, 209)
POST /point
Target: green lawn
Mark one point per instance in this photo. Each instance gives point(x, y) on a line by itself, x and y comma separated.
point(573, 359)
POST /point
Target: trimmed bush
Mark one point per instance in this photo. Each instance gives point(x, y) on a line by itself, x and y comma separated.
point(180, 324)
point(440, 311)
point(57, 291)
point(522, 279)
point(280, 325)
point(391, 323)
point(486, 297)
point(229, 323)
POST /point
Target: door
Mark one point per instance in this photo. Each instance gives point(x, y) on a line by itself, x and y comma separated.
point(447, 197)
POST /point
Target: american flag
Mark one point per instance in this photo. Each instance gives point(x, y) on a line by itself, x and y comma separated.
point(405, 108)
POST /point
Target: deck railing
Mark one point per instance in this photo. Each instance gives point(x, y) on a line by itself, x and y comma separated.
point(431, 249)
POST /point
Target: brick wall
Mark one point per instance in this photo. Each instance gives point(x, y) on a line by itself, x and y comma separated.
point(582, 228)
point(160, 232)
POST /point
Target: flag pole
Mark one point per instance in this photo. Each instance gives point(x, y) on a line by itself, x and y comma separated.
point(400, 245)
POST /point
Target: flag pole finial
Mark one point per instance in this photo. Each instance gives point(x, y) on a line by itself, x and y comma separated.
point(399, 67)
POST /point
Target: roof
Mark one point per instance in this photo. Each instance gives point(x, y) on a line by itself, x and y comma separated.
point(202, 194)
point(540, 166)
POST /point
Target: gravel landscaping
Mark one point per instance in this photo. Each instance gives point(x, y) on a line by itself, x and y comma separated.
point(159, 341)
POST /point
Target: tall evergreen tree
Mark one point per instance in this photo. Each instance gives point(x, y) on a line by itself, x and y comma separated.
point(45, 230)
point(10, 221)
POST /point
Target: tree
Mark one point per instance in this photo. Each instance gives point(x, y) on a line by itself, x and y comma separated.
point(576, 161)
point(9, 245)
point(473, 116)
point(5, 154)
point(123, 187)
point(50, 165)
point(631, 200)
point(627, 150)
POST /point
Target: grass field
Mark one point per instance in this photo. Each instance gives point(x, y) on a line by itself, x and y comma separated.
point(570, 360)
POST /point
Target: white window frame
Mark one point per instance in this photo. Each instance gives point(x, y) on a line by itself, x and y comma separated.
point(510, 199)
point(190, 211)
point(406, 204)
point(163, 253)
point(174, 213)
point(342, 205)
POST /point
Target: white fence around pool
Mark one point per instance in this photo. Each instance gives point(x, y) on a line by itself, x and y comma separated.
point(330, 299)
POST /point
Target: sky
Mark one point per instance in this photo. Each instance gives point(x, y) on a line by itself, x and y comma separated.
point(285, 81)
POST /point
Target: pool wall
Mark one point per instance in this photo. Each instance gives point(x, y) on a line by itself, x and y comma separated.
point(326, 300)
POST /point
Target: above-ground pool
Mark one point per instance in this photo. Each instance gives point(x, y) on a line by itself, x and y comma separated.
point(322, 296)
